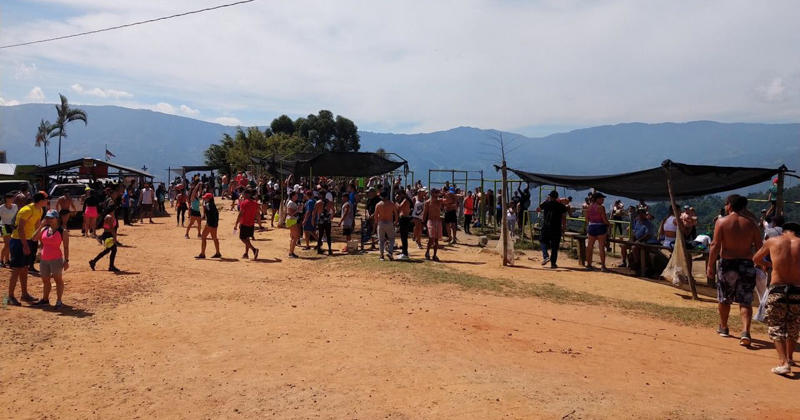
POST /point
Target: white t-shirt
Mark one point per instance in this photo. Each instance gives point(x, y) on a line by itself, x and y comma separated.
point(7, 214)
point(291, 205)
point(147, 196)
point(703, 239)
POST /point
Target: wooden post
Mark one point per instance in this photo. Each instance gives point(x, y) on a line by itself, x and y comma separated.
point(779, 199)
point(679, 233)
point(503, 216)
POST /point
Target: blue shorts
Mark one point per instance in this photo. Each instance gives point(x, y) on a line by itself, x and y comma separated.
point(597, 229)
point(18, 257)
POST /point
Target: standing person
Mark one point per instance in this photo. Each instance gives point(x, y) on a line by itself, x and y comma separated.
point(308, 218)
point(416, 216)
point(181, 202)
point(22, 247)
point(248, 211)
point(8, 211)
point(275, 205)
point(404, 213)
point(372, 201)
point(469, 210)
point(597, 231)
point(554, 224)
point(161, 197)
point(225, 186)
point(431, 215)
point(735, 237)
point(22, 197)
point(194, 211)
point(322, 216)
point(347, 221)
point(109, 241)
point(451, 215)
point(783, 301)
point(618, 214)
point(212, 223)
point(146, 199)
point(386, 218)
point(490, 204)
point(126, 207)
point(172, 193)
point(773, 198)
point(53, 262)
point(292, 209)
point(90, 214)
point(65, 207)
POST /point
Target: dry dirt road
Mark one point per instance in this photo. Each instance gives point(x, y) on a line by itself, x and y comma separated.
point(345, 338)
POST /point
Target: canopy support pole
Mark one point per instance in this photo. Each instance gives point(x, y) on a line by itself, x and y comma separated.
point(779, 203)
point(679, 233)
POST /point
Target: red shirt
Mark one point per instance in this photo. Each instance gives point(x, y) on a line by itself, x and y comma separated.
point(249, 211)
point(469, 204)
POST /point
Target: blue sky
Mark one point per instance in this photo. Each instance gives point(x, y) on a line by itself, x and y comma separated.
point(533, 67)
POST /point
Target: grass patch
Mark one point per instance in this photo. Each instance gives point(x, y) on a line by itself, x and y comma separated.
point(438, 274)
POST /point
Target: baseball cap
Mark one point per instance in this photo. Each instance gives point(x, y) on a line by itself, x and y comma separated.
point(686, 207)
point(208, 196)
point(44, 194)
point(553, 194)
point(51, 214)
point(775, 180)
point(598, 195)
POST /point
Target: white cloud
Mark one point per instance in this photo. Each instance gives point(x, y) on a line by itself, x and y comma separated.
point(35, 95)
point(100, 93)
point(4, 102)
point(185, 110)
point(165, 108)
point(774, 91)
point(23, 70)
point(227, 121)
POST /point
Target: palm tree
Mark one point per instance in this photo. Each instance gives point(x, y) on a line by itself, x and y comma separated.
point(66, 115)
point(43, 136)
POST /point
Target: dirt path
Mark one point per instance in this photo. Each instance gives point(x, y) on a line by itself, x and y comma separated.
point(327, 338)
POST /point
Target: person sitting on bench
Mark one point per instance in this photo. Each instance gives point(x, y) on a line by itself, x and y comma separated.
point(643, 232)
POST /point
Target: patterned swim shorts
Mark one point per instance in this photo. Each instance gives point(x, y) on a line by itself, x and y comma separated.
point(736, 280)
point(783, 313)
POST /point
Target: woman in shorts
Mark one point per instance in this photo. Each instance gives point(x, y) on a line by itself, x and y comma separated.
point(53, 261)
point(292, 210)
point(8, 211)
point(598, 229)
point(212, 222)
point(90, 214)
point(194, 210)
point(180, 201)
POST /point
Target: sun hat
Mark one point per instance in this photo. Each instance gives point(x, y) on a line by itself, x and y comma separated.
point(51, 214)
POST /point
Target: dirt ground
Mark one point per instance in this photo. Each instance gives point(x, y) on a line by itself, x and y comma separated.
point(336, 337)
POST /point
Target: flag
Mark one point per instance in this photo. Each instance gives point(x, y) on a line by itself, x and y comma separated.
point(109, 154)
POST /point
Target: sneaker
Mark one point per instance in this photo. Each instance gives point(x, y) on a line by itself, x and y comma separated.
point(330, 252)
point(200, 257)
point(391, 257)
point(427, 255)
point(723, 332)
point(293, 256)
point(403, 257)
point(623, 265)
point(246, 257)
point(59, 305)
point(553, 266)
point(92, 264)
point(28, 298)
point(782, 370)
point(186, 236)
point(42, 302)
point(545, 261)
point(114, 270)
point(255, 253)
point(435, 258)
point(381, 258)
point(13, 301)
point(217, 255)
point(745, 340)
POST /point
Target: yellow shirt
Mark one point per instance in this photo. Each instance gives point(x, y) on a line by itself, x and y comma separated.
point(31, 215)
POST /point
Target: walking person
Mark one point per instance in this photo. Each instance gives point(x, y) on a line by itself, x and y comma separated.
point(292, 209)
point(735, 237)
point(90, 213)
point(386, 218)
point(404, 212)
point(53, 262)
point(431, 216)
point(126, 207)
point(554, 224)
point(8, 212)
point(181, 200)
point(323, 215)
point(65, 207)
point(597, 231)
point(146, 200)
point(109, 241)
point(347, 221)
point(22, 248)
point(783, 300)
point(469, 210)
point(212, 223)
point(416, 216)
point(308, 218)
point(194, 211)
point(248, 211)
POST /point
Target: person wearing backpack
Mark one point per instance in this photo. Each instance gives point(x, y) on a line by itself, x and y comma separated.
point(322, 216)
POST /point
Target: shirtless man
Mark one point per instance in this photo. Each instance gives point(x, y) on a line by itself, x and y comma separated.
point(404, 211)
point(65, 206)
point(431, 214)
point(735, 237)
point(783, 301)
point(451, 215)
point(386, 218)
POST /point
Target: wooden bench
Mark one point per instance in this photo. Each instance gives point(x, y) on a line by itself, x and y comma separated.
point(643, 250)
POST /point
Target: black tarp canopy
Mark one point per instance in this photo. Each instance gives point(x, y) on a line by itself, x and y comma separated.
point(345, 164)
point(651, 184)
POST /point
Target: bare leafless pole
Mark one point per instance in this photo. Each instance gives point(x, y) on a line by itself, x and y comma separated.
point(501, 145)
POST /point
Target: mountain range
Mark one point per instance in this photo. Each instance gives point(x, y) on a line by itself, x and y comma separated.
point(158, 141)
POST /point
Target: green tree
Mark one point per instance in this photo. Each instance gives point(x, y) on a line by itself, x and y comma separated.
point(43, 135)
point(325, 132)
point(381, 152)
point(217, 154)
point(66, 115)
point(286, 144)
point(282, 124)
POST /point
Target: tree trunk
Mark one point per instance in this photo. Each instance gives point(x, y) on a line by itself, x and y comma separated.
point(504, 207)
point(59, 149)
